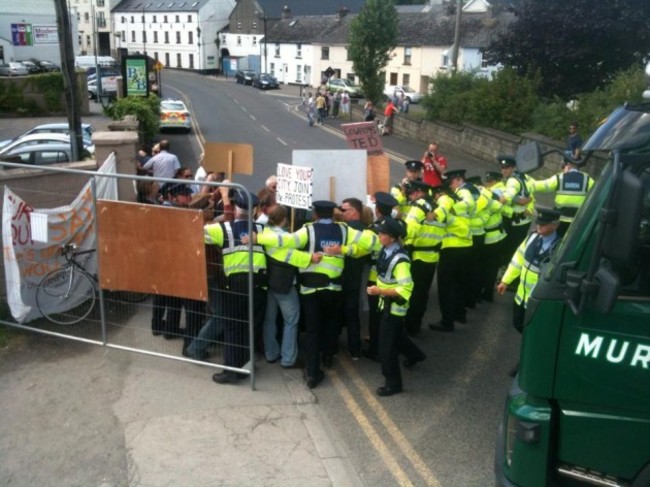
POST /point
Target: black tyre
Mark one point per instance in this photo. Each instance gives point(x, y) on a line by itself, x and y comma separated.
point(66, 296)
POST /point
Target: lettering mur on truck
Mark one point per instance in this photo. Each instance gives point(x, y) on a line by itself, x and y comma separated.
point(578, 412)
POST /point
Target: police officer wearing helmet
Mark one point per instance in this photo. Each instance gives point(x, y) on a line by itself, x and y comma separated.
point(423, 242)
point(571, 187)
point(394, 287)
point(236, 266)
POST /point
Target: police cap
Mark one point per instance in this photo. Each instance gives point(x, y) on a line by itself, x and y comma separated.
point(413, 165)
point(417, 185)
point(176, 189)
point(547, 215)
point(475, 180)
point(392, 227)
point(386, 200)
point(506, 161)
point(323, 207)
point(492, 176)
point(455, 173)
point(240, 199)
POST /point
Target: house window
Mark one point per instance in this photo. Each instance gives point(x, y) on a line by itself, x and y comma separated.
point(86, 17)
point(254, 41)
point(167, 42)
point(178, 19)
point(406, 79)
point(78, 17)
point(238, 24)
point(79, 39)
point(144, 36)
point(189, 19)
point(445, 60)
point(277, 50)
point(100, 3)
point(179, 64)
point(190, 37)
point(298, 50)
point(298, 73)
point(154, 19)
point(123, 36)
point(272, 69)
point(484, 63)
point(123, 18)
point(178, 37)
point(191, 61)
point(155, 56)
point(132, 36)
point(407, 55)
point(155, 37)
point(165, 19)
point(132, 19)
point(88, 40)
point(347, 55)
point(254, 24)
point(239, 40)
point(166, 59)
point(325, 52)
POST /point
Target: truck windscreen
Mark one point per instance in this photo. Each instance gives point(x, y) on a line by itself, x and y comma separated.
point(627, 129)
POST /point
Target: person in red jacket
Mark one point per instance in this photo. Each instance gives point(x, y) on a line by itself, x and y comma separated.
point(389, 114)
point(435, 165)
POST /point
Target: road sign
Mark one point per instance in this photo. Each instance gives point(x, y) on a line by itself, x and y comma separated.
point(158, 66)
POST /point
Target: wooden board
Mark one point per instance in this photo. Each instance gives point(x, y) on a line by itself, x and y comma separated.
point(218, 156)
point(151, 249)
point(378, 173)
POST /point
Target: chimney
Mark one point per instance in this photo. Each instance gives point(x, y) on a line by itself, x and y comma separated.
point(286, 13)
point(342, 12)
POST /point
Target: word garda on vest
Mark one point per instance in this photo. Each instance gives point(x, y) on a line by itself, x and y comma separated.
point(295, 186)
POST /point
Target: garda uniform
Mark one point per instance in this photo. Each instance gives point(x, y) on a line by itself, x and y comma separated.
point(516, 186)
point(398, 191)
point(527, 261)
point(393, 272)
point(423, 242)
point(571, 188)
point(320, 283)
point(455, 253)
point(236, 265)
point(494, 237)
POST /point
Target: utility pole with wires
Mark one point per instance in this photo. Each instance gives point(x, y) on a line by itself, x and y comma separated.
point(454, 51)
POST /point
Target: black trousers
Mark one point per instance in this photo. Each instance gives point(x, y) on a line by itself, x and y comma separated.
point(166, 317)
point(352, 274)
point(475, 269)
point(321, 311)
point(374, 320)
point(518, 316)
point(393, 340)
point(452, 274)
point(492, 254)
point(422, 274)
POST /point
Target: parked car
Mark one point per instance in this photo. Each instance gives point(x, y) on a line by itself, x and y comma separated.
point(265, 81)
point(54, 128)
point(13, 69)
point(39, 154)
point(174, 114)
point(244, 76)
point(34, 139)
point(46, 66)
point(32, 68)
point(412, 95)
point(344, 85)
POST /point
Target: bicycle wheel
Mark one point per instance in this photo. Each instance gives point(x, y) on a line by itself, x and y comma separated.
point(66, 296)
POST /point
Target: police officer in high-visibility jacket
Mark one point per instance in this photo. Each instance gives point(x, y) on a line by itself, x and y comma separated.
point(528, 260)
point(236, 265)
point(571, 187)
point(320, 283)
point(519, 195)
point(423, 242)
point(413, 173)
point(394, 287)
point(495, 235)
point(453, 211)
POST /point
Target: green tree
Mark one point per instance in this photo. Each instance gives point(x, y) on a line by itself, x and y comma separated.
point(576, 46)
point(373, 36)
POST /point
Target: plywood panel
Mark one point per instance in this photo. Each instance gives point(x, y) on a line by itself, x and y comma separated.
point(217, 157)
point(378, 173)
point(151, 249)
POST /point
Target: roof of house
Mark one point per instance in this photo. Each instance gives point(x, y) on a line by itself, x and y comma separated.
point(155, 6)
point(274, 8)
point(415, 29)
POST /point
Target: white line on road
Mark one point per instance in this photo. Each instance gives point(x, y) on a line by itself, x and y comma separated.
point(281, 141)
point(252, 117)
point(265, 128)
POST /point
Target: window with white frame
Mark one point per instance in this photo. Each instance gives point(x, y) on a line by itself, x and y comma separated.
point(178, 37)
point(167, 41)
point(223, 40)
point(190, 37)
point(484, 63)
point(166, 59)
point(132, 36)
point(189, 19)
point(325, 52)
point(238, 24)
point(272, 69)
point(132, 19)
point(298, 50)
point(88, 40)
point(191, 61)
point(178, 19)
point(179, 63)
point(86, 17)
point(155, 20)
point(408, 51)
point(254, 41)
point(144, 36)
point(277, 50)
point(155, 37)
point(254, 24)
point(79, 39)
point(406, 79)
point(298, 73)
point(123, 35)
point(445, 60)
point(239, 40)
point(165, 19)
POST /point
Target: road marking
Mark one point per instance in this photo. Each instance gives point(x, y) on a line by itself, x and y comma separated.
point(380, 447)
point(409, 452)
point(264, 127)
point(252, 117)
point(281, 141)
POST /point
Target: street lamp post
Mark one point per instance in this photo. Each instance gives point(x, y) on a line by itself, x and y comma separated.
point(263, 17)
point(144, 34)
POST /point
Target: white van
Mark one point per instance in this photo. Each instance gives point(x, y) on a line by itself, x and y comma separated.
point(85, 62)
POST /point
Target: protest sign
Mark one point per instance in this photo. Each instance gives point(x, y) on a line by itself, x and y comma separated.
point(295, 186)
point(363, 136)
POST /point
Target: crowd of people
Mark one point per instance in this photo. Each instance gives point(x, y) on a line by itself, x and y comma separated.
point(436, 221)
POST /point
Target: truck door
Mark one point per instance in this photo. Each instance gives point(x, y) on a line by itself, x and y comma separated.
point(603, 377)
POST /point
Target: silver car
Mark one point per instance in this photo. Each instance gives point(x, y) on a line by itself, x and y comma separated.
point(54, 128)
point(34, 139)
point(13, 69)
point(38, 154)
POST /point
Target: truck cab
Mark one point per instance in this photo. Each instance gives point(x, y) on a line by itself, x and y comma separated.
point(578, 412)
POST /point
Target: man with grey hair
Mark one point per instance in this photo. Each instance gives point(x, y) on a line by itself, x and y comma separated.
point(162, 165)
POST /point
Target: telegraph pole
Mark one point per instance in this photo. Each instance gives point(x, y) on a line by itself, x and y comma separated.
point(70, 88)
point(454, 51)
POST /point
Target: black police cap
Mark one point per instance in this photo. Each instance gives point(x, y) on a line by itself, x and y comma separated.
point(385, 199)
point(475, 180)
point(418, 185)
point(240, 199)
point(492, 176)
point(506, 161)
point(455, 173)
point(392, 227)
point(414, 165)
point(547, 215)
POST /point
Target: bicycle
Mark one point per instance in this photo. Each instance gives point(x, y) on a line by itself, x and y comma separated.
point(67, 295)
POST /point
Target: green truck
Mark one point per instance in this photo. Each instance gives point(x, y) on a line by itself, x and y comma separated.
point(578, 413)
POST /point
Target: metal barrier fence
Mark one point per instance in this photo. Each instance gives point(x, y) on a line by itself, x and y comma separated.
point(58, 274)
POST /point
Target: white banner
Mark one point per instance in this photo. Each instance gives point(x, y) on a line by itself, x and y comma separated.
point(295, 186)
point(45, 34)
point(27, 259)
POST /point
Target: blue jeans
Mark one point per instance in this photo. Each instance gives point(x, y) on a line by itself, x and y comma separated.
point(213, 327)
point(289, 305)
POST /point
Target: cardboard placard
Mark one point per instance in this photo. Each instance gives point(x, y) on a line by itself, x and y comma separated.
point(295, 186)
point(363, 136)
point(151, 249)
point(228, 157)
